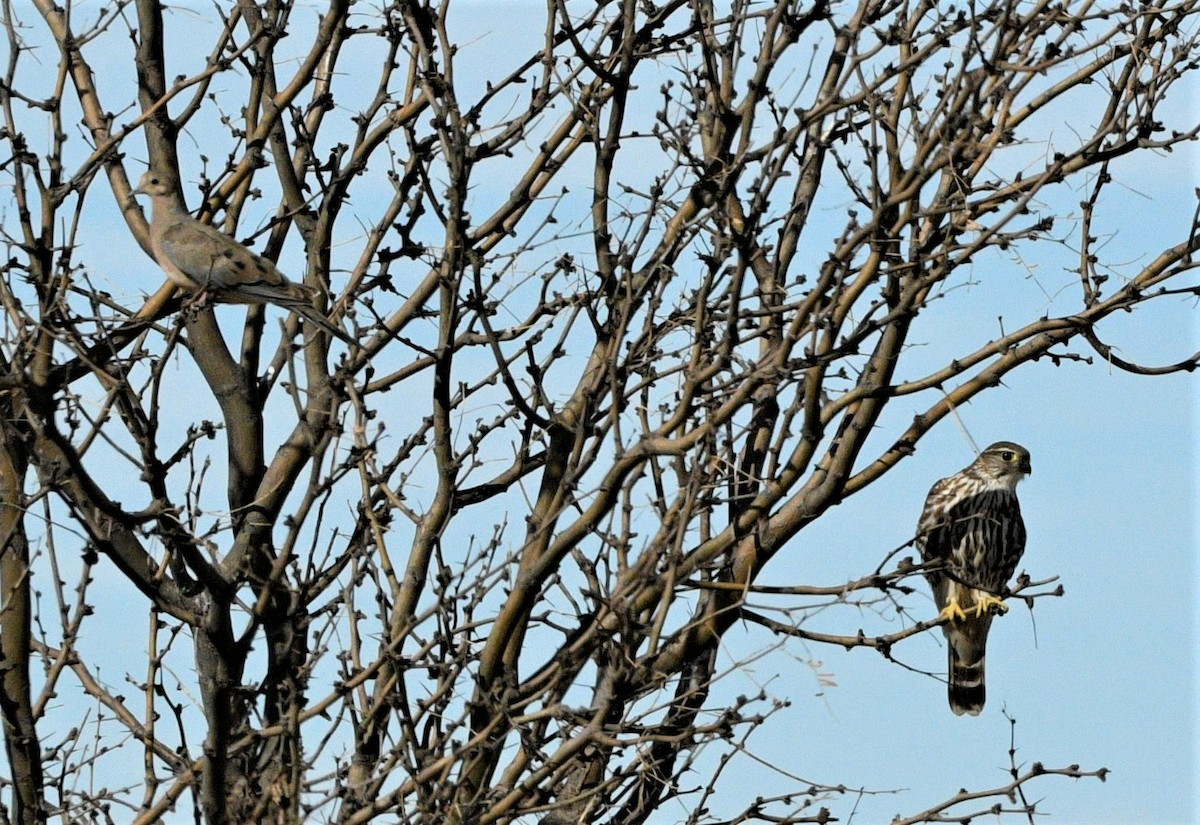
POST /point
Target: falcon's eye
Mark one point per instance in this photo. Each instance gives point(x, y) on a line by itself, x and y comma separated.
point(1007, 455)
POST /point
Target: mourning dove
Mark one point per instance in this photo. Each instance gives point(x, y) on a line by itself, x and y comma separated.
point(202, 259)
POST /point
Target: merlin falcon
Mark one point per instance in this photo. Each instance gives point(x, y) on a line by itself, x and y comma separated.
point(971, 535)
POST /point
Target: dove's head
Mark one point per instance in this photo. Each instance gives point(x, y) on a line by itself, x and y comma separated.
point(154, 184)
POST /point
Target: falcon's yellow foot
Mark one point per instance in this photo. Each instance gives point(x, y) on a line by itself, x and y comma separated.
point(952, 612)
point(986, 602)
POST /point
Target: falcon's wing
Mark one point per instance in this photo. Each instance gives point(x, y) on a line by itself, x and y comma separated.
point(981, 537)
point(933, 541)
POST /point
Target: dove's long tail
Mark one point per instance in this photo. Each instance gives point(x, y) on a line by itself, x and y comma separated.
point(309, 313)
point(291, 296)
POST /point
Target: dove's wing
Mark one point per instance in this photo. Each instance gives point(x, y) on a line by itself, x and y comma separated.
point(217, 262)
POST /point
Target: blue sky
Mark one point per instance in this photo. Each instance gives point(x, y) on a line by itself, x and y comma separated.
point(1106, 675)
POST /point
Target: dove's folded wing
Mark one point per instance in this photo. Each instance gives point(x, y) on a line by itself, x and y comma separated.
point(217, 262)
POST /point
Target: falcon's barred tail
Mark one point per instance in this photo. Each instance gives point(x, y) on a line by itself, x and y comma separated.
point(966, 688)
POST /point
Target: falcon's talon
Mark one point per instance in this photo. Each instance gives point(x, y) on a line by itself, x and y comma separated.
point(987, 602)
point(952, 612)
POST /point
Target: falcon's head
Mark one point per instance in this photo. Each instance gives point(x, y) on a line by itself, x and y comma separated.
point(1003, 464)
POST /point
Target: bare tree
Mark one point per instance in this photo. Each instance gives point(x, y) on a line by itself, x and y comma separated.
point(624, 317)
